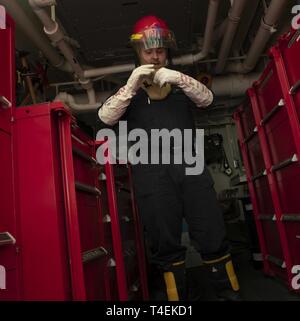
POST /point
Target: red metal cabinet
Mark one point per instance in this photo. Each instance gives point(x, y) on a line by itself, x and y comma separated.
point(78, 232)
point(271, 153)
point(8, 251)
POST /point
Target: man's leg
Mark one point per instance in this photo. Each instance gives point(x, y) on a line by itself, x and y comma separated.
point(161, 213)
point(207, 231)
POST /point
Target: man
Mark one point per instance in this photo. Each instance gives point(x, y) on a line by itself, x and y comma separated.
point(156, 97)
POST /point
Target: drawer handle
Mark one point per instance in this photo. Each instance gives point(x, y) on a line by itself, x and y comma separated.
point(87, 188)
point(94, 254)
point(295, 87)
point(5, 102)
point(6, 238)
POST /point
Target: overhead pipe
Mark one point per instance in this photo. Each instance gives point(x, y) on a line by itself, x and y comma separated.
point(101, 97)
point(79, 104)
point(40, 41)
point(39, 4)
point(219, 32)
point(229, 86)
point(95, 72)
point(43, 44)
point(266, 29)
point(233, 85)
point(58, 61)
point(234, 17)
point(129, 67)
point(56, 35)
point(183, 60)
point(208, 37)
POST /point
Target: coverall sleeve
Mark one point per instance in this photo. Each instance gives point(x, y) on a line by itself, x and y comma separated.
point(115, 106)
point(196, 91)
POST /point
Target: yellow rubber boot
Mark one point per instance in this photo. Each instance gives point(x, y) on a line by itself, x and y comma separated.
point(175, 282)
point(224, 279)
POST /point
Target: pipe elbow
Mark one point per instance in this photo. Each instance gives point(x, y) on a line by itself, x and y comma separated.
point(40, 4)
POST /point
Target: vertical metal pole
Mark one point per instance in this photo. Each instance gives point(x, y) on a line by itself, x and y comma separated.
point(101, 231)
point(72, 225)
point(115, 226)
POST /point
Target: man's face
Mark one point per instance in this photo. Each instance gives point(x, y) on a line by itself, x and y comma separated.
point(156, 56)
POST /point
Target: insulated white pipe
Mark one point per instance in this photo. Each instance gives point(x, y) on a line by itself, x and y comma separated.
point(37, 4)
point(233, 85)
point(57, 36)
point(208, 37)
point(79, 104)
point(264, 33)
point(108, 70)
point(91, 96)
point(266, 29)
point(219, 31)
point(69, 100)
point(234, 17)
point(40, 41)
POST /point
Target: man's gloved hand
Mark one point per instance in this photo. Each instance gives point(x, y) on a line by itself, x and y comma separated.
point(194, 89)
point(115, 106)
point(138, 76)
point(167, 76)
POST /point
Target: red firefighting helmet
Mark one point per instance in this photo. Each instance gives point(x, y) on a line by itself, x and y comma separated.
point(152, 32)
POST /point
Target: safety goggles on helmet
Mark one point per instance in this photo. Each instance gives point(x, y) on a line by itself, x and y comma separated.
point(154, 38)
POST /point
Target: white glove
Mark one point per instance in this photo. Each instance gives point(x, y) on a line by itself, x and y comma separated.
point(115, 106)
point(167, 76)
point(194, 89)
point(138, 76)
